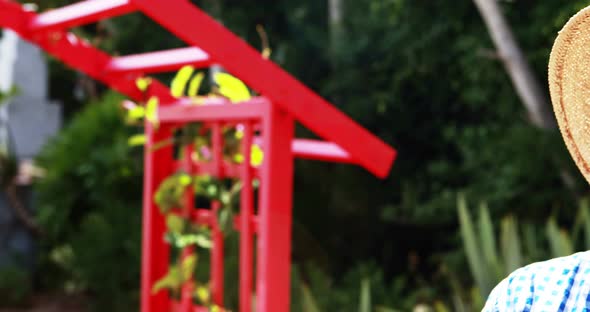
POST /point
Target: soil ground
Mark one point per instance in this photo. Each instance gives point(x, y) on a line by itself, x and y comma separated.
point(51, 303)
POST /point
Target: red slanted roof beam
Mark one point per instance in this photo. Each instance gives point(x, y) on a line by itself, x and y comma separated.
point(268, 79)
point(160, 61)
point(80, 13)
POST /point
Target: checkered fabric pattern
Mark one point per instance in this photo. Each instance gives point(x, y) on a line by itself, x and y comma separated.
point(555, 285)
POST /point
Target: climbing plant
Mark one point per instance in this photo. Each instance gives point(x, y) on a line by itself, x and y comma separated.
point(176, 195)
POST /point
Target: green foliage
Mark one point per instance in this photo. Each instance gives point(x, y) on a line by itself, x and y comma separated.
point(170, 192)
point(361, 289)
point(516, 250)
point(15, 286)
point(7, 95)
point(430, 84)
point(90, 207)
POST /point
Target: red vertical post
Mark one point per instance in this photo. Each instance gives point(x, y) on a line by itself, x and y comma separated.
point(217, 235)
point(158, 164)
point(217, 149)
point(189, 204)
point(216, 257)
point(274, 213)
point(246, 211)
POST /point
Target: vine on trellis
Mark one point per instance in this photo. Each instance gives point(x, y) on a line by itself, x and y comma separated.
point(170, 195)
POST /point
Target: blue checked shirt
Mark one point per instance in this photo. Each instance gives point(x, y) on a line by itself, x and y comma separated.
point(555, 285)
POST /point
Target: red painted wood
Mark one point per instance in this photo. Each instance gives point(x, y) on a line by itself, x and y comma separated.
point(80, 13)
point(155, 251)
point(319, 150)
point(253, 223)
point(186, 296)
point(176, 307)
point(348, 142)
point(227, 170)
point(14, 16)
point(216, 109)
point(181, 18)
point(186, 300)
point(217, 252)
point(274, 213)
point(77, 53)
point(316, 150)
point(160, 61)
point(246, 212)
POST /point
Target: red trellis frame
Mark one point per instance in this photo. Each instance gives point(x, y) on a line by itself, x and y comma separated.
point(285, 101)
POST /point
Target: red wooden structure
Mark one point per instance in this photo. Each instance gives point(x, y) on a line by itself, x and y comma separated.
point(268, 121)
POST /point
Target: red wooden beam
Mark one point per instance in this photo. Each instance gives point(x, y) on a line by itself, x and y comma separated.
point(217, 252)
point(273, 266)
point(182, 18)
point(214, 109)
point(227, 169)
point(161, 61)
point(155, 251)
point(80, 13)
point(246, 213)
point(14, 16)
point(204, 216)
point(77, 53)
point(318, 150)
point(176, 306)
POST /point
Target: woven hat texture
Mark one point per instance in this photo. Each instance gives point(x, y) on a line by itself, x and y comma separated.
point(569, 83)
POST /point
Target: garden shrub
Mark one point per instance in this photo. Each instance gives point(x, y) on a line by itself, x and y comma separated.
point(90, 208)
point(15, 285)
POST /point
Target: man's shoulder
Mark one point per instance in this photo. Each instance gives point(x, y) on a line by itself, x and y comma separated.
point(552, 265)
point(550, 283)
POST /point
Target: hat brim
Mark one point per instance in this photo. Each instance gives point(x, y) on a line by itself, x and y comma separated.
point(569, 84)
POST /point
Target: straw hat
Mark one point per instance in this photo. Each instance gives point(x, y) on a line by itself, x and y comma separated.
point(569, 83)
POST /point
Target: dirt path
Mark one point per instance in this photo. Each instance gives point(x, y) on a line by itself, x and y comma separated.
point(51, 303)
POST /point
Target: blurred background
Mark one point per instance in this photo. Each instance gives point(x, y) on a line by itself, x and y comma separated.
point(483, 183)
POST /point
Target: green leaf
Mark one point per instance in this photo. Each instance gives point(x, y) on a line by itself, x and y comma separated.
point(257, 155)
point(386, 309)
point(474, 255)
point(172, 280)
point(195, 84)
point(137, 140)
point(203, 241)
point(225, 218)
point(184, 179)
point(175, 224)
point(440, 307)
point(188, 265)
point(231, 87)
point(151, 111)
point(365, 297)
point(559, 241)
point(180, 80)
point(170, 193)
point(143, 83)
point(531, 242)
point(135, 113)
point(203, 294)
point(511, 250)
point(585, 219)
point(185, 240)
point(488, 241)
point(308, 302)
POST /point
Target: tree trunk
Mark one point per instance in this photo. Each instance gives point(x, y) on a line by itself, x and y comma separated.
point(527, 86)
point(335, 16)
